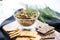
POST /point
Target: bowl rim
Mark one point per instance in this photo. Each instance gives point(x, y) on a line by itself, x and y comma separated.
point(25, 19)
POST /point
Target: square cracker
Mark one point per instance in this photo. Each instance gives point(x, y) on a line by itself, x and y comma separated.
point(45, 29)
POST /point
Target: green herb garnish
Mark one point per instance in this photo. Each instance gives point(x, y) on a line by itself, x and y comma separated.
point(30, 11)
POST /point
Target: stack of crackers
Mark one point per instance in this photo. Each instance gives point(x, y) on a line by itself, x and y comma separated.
point(17, 34)
point(23, 35)
point(46, 31)
point(13, 33)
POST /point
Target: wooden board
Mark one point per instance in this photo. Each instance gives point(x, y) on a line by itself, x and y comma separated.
point(14, 25)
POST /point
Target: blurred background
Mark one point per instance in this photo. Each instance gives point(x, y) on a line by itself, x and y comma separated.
point(8, 7)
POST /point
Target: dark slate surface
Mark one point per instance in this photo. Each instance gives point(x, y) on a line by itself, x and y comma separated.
point(3, 35)
point(55, 23)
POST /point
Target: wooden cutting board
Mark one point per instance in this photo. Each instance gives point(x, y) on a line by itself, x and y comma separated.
point(14, 25)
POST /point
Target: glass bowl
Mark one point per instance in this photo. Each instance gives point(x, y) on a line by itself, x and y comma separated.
point(25, 22)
